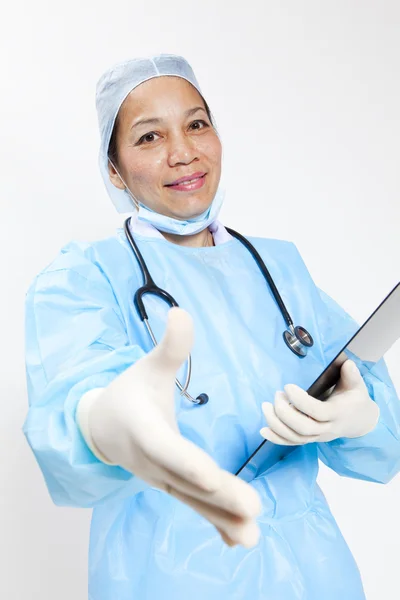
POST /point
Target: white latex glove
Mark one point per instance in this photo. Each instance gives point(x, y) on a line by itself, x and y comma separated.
point(297, 418)
point(132, 423)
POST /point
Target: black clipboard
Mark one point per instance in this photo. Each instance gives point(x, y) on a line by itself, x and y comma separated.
point(374, 338)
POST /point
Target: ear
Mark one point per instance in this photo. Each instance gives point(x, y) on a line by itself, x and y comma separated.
point(114, 177)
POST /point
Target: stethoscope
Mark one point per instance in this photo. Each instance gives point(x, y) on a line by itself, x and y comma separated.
point(298, 339)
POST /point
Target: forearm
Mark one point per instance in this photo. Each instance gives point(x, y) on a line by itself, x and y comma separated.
point(73, 474)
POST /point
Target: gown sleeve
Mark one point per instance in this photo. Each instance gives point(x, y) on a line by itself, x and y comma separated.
point(376, 455)
point(76, 340)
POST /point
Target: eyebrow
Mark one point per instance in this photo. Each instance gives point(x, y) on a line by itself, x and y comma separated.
point(156, 120)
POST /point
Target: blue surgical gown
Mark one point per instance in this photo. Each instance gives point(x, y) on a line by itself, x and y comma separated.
point(82, 331)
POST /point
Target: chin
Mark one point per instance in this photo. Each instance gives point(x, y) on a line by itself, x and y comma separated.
point(194, 209)
point(188, 215)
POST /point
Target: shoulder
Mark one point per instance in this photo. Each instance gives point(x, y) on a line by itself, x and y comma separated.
point(276, 250)
point(82, 260)
point(285, 262)
point(279, 255)
point(85, 257)
point(271, 243)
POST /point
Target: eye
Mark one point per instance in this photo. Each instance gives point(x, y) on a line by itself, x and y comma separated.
point(145, 138)
point(199, 121)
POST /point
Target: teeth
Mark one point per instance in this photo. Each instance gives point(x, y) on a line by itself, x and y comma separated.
point(188, 182)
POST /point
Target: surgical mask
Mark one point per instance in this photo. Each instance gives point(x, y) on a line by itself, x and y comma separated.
point(182, 227)
point(176, 226)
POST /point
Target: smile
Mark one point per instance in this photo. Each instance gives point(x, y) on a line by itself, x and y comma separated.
point(189, 185)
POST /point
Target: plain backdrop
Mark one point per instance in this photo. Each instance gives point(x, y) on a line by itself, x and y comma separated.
point(306, 96)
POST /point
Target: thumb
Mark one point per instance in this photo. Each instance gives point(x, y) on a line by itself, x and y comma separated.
point(350, 376)
point(177, 341)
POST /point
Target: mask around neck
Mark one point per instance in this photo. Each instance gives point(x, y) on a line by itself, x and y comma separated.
point(178, 227)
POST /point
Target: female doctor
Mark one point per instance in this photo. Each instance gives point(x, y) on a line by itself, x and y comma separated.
point(109, 425)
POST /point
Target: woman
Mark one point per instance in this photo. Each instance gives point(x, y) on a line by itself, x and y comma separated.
point(104, 409)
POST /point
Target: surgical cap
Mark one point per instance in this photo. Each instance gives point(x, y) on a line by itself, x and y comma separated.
point(112, 89)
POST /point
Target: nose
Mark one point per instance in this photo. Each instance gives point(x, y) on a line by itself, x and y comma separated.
point(182, 151)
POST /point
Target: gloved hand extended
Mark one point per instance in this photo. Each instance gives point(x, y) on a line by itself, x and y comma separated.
point(132, 423)
point(297, 418)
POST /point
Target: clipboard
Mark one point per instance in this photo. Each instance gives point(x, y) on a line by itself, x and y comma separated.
point(372, 340)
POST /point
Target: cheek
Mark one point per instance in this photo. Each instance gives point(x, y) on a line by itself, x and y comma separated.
point(143, 172)
point(212, 149)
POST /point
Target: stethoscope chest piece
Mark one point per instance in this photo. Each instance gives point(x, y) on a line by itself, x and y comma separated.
point(299, 340)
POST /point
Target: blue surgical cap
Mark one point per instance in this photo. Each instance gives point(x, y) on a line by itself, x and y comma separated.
point(112, 89)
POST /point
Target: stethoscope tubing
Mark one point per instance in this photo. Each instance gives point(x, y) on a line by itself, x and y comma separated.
point(298, 339)
point(149, 287)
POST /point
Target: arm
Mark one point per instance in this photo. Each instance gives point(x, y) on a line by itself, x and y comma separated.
point(75, 341)
point(376, 455)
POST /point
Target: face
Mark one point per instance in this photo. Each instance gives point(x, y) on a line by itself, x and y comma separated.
point(163, 135)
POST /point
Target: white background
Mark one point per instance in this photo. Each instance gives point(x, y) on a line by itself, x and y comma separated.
point(306, 97)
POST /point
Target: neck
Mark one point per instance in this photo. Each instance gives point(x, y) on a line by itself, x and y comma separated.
point(198, 240)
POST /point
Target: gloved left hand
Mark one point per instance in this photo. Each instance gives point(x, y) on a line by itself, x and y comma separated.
point(297, 418)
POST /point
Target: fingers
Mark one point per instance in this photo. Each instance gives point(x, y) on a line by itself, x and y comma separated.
point(233, 516)
point(225, 538)
point(176, 344)
point(232, 494)
point(245, 506)
point(317, 410)
point(214, 501)
point(273, 437)
point(294, 419)
point(293, 433)
point(170, 451)
point(244, 532)
point(199, 475)
point(236, 497)
point(172, 480)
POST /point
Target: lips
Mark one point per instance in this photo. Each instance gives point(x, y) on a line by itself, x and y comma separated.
point(188, 179)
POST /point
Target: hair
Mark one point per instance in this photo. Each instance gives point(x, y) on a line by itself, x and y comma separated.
point(113, 148)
